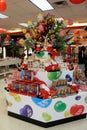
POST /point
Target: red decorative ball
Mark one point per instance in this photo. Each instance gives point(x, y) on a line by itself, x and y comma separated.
point(2, 30)
point(3, 5)
point(77, 1)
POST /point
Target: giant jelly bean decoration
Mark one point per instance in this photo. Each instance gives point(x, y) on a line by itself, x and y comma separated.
point(59, 106)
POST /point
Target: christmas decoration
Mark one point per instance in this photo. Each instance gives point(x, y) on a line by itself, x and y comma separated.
point(77, 1)
point(3, 5)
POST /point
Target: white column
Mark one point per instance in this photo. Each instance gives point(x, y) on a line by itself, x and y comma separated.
point(4, 52)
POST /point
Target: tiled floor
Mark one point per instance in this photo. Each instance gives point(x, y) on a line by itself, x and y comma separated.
point(10, 123)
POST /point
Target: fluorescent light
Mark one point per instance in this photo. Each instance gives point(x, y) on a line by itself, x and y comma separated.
point(14, 30)
point(23, 24)
point(2, 16)
point(42, 4)
point(77, 24)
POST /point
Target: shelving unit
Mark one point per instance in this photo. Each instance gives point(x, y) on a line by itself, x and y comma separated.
point(5, 63)
point(50, 111)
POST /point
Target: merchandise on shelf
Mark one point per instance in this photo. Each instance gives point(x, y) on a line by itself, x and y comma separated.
point(48, 80)
point(45, 65)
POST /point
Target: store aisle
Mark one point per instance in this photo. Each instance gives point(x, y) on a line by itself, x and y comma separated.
point(10, 123)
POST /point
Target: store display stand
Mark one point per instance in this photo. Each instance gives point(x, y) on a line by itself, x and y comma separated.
point(49, 124)
point(46, 112)
point(45, 94)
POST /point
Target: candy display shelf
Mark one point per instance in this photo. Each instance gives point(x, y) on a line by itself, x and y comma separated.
point(43, 92)
point(47, 112)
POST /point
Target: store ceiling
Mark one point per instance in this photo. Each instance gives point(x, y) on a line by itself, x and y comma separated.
point(20, 11)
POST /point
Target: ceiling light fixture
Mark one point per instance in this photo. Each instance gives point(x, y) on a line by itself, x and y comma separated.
point(14, 30)
point(44, 5)
point(24, 24)
point(2, 16)
point(77, 24)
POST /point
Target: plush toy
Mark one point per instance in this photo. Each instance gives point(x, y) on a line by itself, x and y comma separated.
point(52, 67)
point(24, 66)
point(52, 52)
point(38, 48)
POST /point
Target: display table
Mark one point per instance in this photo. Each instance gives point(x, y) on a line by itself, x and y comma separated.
point(7, 62)
point(47, 112)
